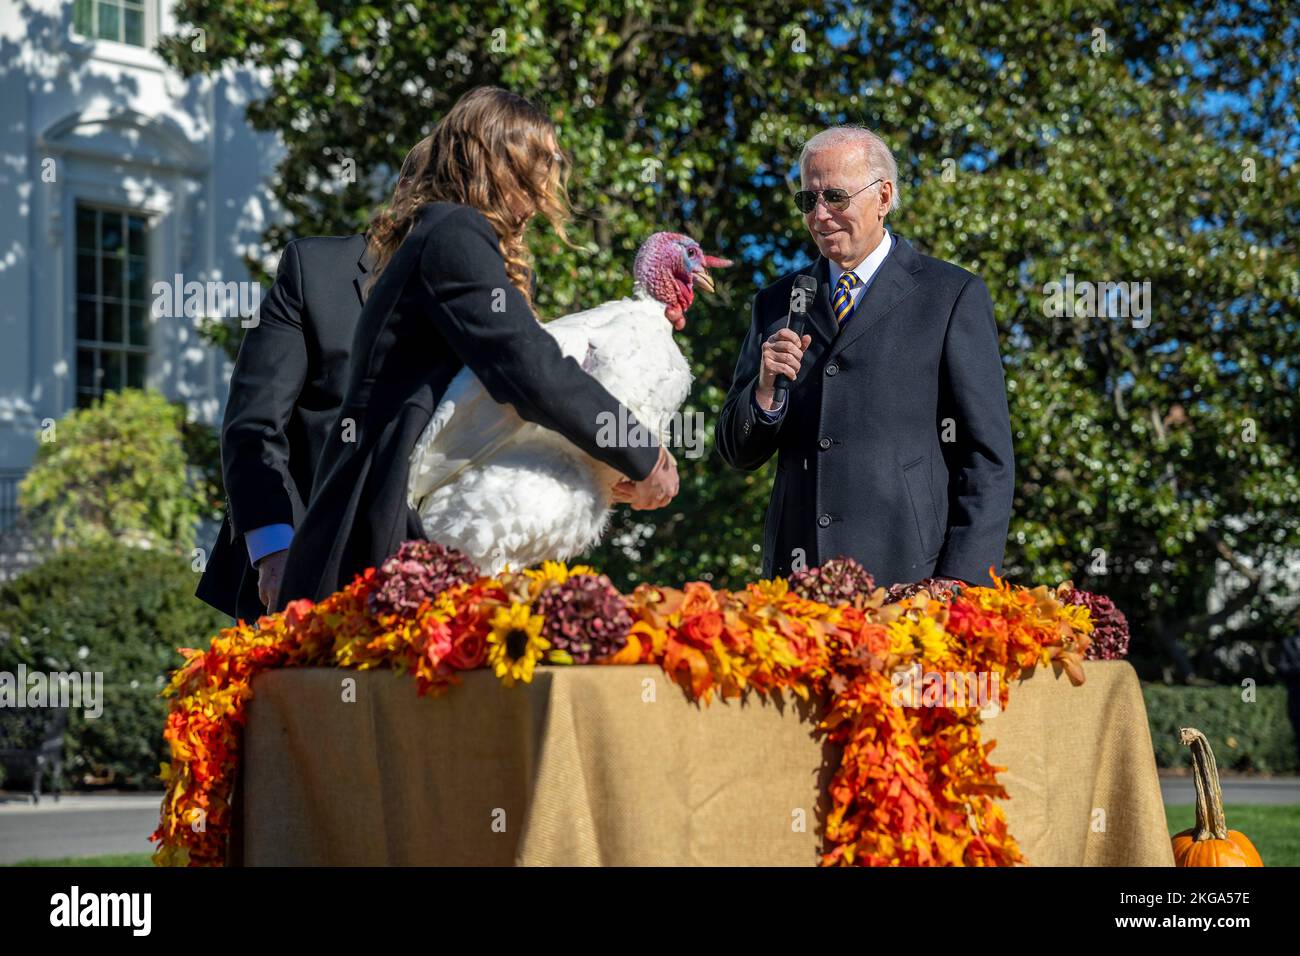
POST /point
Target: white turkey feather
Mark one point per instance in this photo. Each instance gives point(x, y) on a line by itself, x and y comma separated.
point(508, 492)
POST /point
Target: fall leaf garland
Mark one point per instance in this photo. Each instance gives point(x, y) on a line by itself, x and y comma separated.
point(914, 786)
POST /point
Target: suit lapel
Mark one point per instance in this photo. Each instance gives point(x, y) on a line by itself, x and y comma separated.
point(823, 319)
point(894, 283)
point(364, 261)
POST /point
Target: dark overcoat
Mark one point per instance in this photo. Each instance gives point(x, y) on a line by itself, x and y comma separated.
point(894, 445)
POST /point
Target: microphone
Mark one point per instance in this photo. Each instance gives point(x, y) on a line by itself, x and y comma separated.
point(801, 296)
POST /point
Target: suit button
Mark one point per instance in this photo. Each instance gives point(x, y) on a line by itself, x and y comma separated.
point(832, 369)
point(824, 521)
point(824, 444)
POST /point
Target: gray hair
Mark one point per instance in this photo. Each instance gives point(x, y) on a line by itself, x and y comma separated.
point(880, 161)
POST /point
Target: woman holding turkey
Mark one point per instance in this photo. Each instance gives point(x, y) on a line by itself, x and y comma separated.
point(451, 290)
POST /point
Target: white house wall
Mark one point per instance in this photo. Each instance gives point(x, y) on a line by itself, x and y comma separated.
point(118, 129)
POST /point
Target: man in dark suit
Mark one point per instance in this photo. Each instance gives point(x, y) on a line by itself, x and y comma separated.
point(894, 443)
point(285, 392)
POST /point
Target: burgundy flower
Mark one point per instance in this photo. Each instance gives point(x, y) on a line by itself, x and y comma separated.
point(418, 572)
point(1110, 635)
point(942, 589)
point(585, 617)
point(838, 581)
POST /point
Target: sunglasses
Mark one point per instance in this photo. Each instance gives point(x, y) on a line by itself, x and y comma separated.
point(837, 199)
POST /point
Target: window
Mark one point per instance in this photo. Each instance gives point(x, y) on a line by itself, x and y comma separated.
point(120, 20)
point(112, 305)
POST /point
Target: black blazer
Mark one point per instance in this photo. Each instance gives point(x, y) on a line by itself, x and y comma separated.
point(285, 392)
point(443, 302)
point(863, 467)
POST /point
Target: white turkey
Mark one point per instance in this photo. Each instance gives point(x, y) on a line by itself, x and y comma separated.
point(508, 492)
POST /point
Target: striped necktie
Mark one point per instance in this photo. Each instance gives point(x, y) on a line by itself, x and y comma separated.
point(842, 301)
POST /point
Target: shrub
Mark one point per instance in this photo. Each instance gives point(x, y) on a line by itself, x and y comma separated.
point(117, 469)
point(120, 611)
point(1245, 736)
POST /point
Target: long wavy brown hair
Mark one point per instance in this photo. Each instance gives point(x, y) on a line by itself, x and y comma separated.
point(493, 151)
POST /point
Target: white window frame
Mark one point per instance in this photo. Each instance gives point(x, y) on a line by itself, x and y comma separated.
point(116, 51)
point(162, 188)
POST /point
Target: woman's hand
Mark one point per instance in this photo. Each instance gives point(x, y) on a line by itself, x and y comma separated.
point(622, 491)
point(654, 490)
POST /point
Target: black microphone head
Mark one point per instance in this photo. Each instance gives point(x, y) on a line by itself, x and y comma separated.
point(803, 293)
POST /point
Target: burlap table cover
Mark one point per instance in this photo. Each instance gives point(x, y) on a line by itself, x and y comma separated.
point(614, 766)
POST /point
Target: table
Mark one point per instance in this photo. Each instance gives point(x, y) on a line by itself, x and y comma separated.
point(615, 766)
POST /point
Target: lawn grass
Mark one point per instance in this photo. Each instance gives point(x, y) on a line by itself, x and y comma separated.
point(1275, 830)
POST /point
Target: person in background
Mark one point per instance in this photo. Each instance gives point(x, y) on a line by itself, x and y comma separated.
point(1288, 668)
point(285, 393)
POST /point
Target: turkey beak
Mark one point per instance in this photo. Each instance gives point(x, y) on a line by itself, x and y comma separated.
point(702, 277)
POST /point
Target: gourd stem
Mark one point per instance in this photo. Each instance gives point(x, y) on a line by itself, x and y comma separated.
point(1210, 822)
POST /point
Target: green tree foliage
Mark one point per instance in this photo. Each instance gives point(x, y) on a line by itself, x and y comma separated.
point(1251, 735)
point(118, 611)
point(118, 469)
point(1105, 139)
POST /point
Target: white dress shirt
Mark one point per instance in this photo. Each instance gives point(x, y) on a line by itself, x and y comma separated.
point(864, 270)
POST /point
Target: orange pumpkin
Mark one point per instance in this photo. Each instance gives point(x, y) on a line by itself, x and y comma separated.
point(1210, 842)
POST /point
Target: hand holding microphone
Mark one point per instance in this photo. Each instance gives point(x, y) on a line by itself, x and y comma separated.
point(783, 351)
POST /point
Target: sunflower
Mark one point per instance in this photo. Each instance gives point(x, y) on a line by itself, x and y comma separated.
point(907, 635)
point(515, 644)
point(552, 573)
